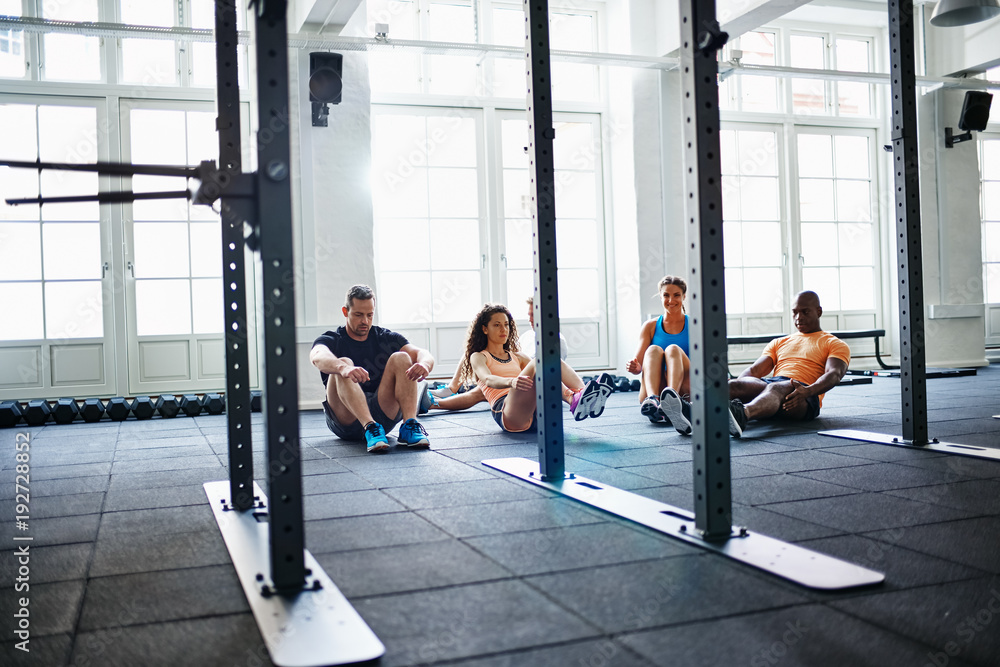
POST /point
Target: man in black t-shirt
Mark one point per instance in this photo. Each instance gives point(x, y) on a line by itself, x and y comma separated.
point(371, 377)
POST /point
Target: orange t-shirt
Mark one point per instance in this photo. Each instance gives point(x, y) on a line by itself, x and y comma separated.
point(803, 357)
point(509, 369)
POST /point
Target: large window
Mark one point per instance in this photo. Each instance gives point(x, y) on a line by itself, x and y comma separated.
point(99, 300)
point(989, 168)
point(496, 22)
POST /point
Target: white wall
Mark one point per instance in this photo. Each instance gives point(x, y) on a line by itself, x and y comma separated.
point(959, 49)
point(334, 209)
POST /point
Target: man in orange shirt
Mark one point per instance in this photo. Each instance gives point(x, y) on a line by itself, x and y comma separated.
point(805, 365)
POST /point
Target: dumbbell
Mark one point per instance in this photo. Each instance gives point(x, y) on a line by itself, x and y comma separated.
point(118, 409)
point(636, 385)
point(255, 400)
point(10, 414)
point(65, 411)
point(167, 406)
point(213, 404)
point(37, 412)
point(92, 410)
point(191, 405)
point(623, 383)
point(143, 407)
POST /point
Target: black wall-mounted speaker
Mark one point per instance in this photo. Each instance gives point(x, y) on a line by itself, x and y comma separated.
point(326, 82)
point(975, 111)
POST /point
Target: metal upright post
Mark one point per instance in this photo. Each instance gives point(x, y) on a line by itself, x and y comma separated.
point(906, 167)
point(234, 285)
point(548, 372)
point(274, 206)
point(701, 39)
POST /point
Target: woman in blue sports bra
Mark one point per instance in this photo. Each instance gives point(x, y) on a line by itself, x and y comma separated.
point(662, 358)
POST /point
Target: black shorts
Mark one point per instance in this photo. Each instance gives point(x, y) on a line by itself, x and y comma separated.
point(356, 430)
point(812, 403)
point(497, 410)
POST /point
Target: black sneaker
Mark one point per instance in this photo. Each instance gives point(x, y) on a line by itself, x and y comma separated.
point(650, 409)
point(424, 398)
point(737, 418)
point(676, 410)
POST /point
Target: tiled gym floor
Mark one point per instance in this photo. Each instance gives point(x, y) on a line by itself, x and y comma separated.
point(452, 563)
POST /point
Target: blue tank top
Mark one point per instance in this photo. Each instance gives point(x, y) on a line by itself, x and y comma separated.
point(663, 339)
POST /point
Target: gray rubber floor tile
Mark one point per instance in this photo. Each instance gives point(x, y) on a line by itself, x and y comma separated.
point(903, 568)
point(957, 468)
point(138, 454)
point(454, 494)
point(315, 463)
point(50, 651)
point(803, 460)
point(429, 626)
point(47, 507)
point(622, 598)
point(509, 517)
point(411, 567)
point(620, 479)
point(797, 636)
point(778, 526)
point(782, 488)
point(53, 608)
point(71, 455)
point(154, 597)
point(972, 542)
point(976, 496)
point(683, 472)
point(162, 521)
point(369, 532)
point(155, 480)
point(864, 512)
point(46, 532)
point(119, 500)
point(440, 473)
point(69, 487)
point(483, 451)
point(40, 472)
point(333, 483)
point(157, 438)
point(634, 457)
point(158, 465)
point(876, 477)
point(887, 453)
point(125, 554)
point(954, 619)
point(573, 547)
point(62, 562)
point(602, 652)
point(394, 459)
point(220, 641)
point(354, 503)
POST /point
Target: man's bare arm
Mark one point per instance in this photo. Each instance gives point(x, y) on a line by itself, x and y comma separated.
point(423, 362)
point(831, 377)
point(326, 361)
point(760, 368)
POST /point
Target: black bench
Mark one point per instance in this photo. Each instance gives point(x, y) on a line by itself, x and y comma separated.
point(887, 371)
point(843, 335)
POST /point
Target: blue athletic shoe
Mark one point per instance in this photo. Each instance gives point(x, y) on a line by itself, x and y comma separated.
point(413, 434)
point(375, 438)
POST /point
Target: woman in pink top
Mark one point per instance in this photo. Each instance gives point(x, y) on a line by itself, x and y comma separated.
point(493, 359)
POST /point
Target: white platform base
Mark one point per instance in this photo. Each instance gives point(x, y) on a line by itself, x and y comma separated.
point(989, 453)
point(313, 628)
point(788, 561)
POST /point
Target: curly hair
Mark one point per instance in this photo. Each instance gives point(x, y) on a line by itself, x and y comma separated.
point(476, 340)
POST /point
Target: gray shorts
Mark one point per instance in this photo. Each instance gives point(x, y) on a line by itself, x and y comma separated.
point(356, 430)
